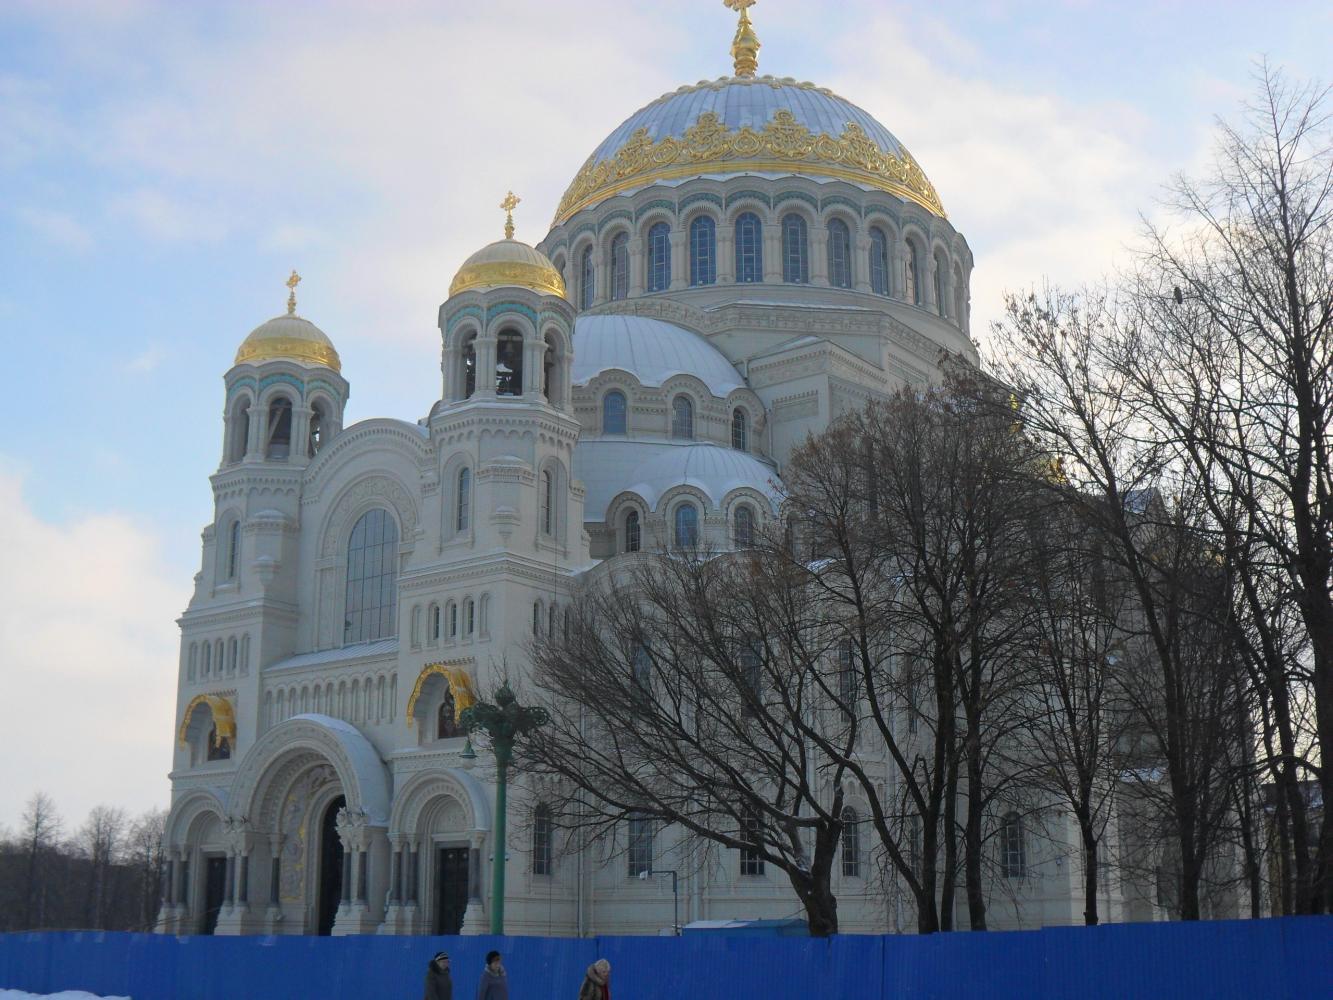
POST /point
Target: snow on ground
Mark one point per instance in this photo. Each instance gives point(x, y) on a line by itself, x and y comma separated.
point(68, 995)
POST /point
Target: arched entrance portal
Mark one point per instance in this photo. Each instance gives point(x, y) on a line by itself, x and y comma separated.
point(330, 867)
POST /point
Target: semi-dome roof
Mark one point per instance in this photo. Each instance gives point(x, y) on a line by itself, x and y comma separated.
point(649, 349)
point(512, 263)
point(608, 467)
point(749, 125)
point(289, 338)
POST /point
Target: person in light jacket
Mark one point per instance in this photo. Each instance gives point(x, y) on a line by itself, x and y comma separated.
point(439, 980)
point(596, 981)
point(494, 983)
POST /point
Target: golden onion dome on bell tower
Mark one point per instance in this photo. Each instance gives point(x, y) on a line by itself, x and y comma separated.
point(289, 338)
point(509, 262)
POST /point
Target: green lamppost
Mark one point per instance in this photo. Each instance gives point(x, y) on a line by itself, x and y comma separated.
point(503, 722)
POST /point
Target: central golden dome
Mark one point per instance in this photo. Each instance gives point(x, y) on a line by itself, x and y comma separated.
point(511, 263)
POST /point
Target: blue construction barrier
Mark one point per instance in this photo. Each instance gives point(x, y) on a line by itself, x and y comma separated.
point(1280, 959)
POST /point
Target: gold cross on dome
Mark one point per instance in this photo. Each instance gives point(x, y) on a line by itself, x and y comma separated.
point(509, 204)
point(738, 5)
point(745, 46)
point(292, 282)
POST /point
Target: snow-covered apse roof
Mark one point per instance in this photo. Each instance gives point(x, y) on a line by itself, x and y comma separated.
point(649, 349)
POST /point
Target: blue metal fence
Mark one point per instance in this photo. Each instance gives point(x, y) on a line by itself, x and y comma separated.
point(1283, 959)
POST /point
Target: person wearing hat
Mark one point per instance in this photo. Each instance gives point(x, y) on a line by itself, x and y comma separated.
point(439, 981)
point(494, 983)
point(597, 981)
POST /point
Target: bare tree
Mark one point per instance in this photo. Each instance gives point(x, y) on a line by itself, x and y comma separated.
point(145, 857)
point(102, 840)
point(39, 836)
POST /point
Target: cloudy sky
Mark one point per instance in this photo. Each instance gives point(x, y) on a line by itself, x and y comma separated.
point(163, 166)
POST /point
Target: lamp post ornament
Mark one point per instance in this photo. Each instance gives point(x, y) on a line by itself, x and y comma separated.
point(504, 722)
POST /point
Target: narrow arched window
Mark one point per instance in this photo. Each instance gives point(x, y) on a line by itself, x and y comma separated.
point(233, 549)
point(194, 660)
point(620, 266)
point(469, 617)
point(749, 248)
point(640, 853)
point(839, 254)
point(207, 661)
point(279, 444)
point(744, 527)
point(795, 250)
point(470, 366)
point(414, 632)
point(548, 503)
point(613, 412)
point(848, 678)
point(453, 620)
point(464, 515)
point(682, 418)
point(912, 275)
point(543, 836)
point(586, 279)
point(851, 843)
point(687, 526)
point(537, 618)
point(1013, 850)
point(433, 624)
point(633, 537)
point(879, 261)
point(372, 578)
point(240, 430)
point(509, 364)
point(703, 251)
point(659, 257)
point(740, 430)
point(752, 835)
point(941, 271)
point(446, 721)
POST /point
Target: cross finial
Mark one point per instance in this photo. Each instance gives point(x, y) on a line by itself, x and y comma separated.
point(292, 282)
point(509, 204)
point(745, 46)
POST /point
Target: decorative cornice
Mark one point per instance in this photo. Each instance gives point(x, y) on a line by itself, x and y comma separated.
point(496, 273)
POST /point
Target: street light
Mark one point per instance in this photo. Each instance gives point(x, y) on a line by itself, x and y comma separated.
point(648, 873)
point(504, 722)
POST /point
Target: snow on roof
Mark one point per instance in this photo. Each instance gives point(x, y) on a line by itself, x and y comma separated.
point(649, 349)
point(359, 651)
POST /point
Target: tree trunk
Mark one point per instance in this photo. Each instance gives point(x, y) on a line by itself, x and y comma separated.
point(1090, 871)
point(972, 846)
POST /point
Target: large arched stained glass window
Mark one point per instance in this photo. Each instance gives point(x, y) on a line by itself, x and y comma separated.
point(659, 257)
point(372, 578)
point(749, 248)
point(613, 412)
point(795, 250)
point(620, 266)
point(703, 251)
point(586, 286)
point(839, 254)
point(687, 526)
point(879, 261)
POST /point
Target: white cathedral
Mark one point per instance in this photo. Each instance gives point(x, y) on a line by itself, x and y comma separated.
point(737, 263)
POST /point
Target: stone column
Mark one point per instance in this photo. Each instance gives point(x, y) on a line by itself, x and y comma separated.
point(243, 882)
point(485, 348)
point(229, 882)
point(395, 875)
point(361, 874)
point(930, 298)
point(861, 263)
point(347, 877)
point(252, 438)
point(452, 383)
point(474, 917)
point(818, 248)
point(680, 259)
point(414, 876)
point(726, 255)
point(301, 432)
point(772, 253)
point(898, 271)
point(601, 277)
point(275, 881)
point(637, 263)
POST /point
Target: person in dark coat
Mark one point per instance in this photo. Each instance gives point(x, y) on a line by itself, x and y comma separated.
point(439, 980)
point(494, 983)
point(597, 981)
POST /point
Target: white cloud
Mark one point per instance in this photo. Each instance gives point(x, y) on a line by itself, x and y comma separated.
point(89, 649)
point(146, 361)
point(57, 228)
point(168, 218)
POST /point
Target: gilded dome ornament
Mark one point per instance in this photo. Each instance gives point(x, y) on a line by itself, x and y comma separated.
point(289, 338)
point(509, 204)
point(292, 282)
point(745, 46)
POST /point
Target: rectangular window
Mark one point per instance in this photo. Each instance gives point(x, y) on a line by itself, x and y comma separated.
point(752, 862)
point(640, 854)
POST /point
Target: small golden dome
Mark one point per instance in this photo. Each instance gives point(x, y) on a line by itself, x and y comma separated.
point(289, 338)
point(508, 262)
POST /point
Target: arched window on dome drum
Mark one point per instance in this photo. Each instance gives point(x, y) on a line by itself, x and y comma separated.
point(795, 250)
point(586, 287)
point(879, 261)
point(743, 532)
point(659, 257)
point(446, 725)
point(509, 364)
point(749, 248)
point(633, 532)
point(851, 843)
point(912, 275)
point(703, 251)
point(470, 366)
point(839, 254)
point(620, 266)
point(372, 578)
point(613, 412)
point(740, 430)
point(548, 503)
point(239, 441)
point(279, 444)
point(464, 500)
point(687, 526)
point(682, 418)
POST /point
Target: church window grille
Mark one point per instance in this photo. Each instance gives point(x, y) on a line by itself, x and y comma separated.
point(879, 261)
point(744, 527)
point(620, 266)
point(464, 499)
point(682, 418)
point(1013, 850)
point(548, 503)
point(687, 526)
point(851, 843)
point(279, 428)
point(233, 549)
point(659, 257)
point(752, 861)
point(839, 254)
point(703, 251)
point(633, 537)
point(640, 854)
point(446, 723)
point(543, 836)
point(740, 426)
point(749, 248)
point(509, 364)
point(586, 278)
point(795, 250)
point(613, 412)
point(372, 578)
